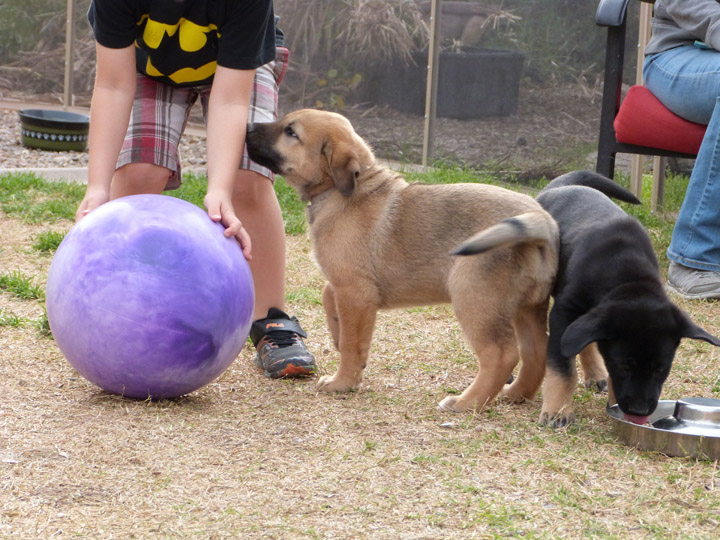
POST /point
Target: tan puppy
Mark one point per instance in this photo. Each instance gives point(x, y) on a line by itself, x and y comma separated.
point(383, 243)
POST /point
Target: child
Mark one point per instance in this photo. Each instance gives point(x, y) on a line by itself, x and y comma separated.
point(154, 59)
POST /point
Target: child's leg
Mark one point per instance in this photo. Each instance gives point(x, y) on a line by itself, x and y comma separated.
point(257, 207)
point(281, 351)
point(139, 178)
point(254, 197)
point(687, 80)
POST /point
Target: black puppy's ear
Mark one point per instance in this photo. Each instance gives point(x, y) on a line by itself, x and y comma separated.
point(693, 331)
point(583, 331)
point(344, 166)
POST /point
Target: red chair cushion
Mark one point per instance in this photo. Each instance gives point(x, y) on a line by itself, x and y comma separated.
point(644, 121)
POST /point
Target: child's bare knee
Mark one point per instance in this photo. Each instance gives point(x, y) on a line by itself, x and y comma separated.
point(140, 178)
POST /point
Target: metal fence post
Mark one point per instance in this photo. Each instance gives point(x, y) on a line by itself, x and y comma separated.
point(432, 81)
point(68, 97)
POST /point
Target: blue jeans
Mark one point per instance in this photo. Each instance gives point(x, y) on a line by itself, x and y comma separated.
point(687, 81)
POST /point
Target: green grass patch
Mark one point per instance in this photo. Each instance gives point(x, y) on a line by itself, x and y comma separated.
point(20, 285)
point(304, 296)
point(448, 174)
point(48, 241)
point(192, 190)
point(194, 187)
point(43, 326)
point(292, 207)
point(35, 200)
point(8, 318)
point(659, 224)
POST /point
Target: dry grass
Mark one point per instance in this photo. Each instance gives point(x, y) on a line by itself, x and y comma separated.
point(247, 457)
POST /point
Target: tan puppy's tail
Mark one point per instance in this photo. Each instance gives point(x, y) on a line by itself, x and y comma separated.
point(535, 227)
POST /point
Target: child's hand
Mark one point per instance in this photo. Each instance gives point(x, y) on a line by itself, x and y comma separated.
point(221, 210)
point(93, 198)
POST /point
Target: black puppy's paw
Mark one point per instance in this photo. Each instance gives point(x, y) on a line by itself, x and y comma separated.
point(557, 420)
point(599, 386)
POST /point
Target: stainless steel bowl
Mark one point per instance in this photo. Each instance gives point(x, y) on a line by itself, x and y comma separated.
point(688, 427)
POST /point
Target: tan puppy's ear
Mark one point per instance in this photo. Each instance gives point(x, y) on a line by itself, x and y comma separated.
point(344, 166)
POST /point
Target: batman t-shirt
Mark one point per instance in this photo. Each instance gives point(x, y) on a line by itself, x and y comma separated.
point(181, 42)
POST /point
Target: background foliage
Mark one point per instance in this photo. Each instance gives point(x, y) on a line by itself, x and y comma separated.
point(337, 42)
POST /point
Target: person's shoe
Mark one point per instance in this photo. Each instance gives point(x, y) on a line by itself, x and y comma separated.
point(691, 283)
point(281, 352)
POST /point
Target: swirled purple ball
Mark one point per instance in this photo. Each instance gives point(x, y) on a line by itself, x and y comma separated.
point(146, 298)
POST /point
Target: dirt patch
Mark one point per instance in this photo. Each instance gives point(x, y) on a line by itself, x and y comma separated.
point(248, 457)
point(554, 130)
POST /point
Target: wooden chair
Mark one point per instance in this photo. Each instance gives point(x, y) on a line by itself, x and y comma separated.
point(638, 124)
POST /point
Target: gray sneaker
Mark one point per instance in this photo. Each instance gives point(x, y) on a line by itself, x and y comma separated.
point(691, 283)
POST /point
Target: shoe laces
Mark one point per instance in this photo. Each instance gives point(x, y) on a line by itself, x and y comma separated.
point(280, 339)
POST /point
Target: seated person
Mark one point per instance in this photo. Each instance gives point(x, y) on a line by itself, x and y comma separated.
point(682, 68)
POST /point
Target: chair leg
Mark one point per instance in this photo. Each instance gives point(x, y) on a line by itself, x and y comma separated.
point(658, 187)
point(605, 162)
point(636, 171)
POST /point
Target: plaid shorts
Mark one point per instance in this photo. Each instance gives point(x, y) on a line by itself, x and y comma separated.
point(160, 114)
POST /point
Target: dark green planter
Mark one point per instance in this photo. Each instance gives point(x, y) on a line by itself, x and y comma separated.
point(472, 83)
point(54, 130)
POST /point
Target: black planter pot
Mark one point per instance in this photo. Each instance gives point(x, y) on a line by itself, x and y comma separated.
point(54, 130)
point(472, 83)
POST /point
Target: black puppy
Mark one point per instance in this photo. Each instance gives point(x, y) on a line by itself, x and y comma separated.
point(607, 292)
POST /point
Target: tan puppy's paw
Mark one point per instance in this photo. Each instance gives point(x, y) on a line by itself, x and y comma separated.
point(453, 404)
point(336, 383)
point(513, 394)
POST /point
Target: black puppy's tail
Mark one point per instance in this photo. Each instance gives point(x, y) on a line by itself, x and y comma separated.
point(532, 227)
point(596, 181)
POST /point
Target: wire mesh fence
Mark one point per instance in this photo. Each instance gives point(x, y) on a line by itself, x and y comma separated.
point(518, 80)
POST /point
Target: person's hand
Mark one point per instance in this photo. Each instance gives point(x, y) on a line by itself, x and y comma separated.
point(93, 198)
point(220, 209)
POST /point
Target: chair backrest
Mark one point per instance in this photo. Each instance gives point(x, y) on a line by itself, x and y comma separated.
point(642, 139)
point(612, 12)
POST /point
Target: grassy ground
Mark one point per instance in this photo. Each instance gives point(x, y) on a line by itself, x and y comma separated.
point(247, 457)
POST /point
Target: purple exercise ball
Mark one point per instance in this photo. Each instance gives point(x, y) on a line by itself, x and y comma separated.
point(146, 298)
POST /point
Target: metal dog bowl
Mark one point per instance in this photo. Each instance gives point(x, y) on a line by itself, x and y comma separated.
point(687, 427)
point(54, 130)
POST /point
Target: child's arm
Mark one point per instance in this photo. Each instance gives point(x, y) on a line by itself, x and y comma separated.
point(109, 117)
point(228, 111)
